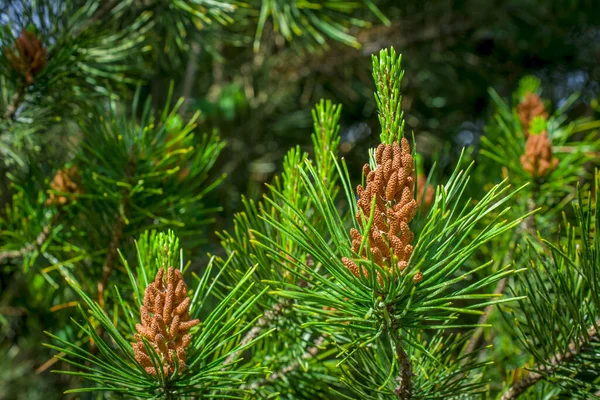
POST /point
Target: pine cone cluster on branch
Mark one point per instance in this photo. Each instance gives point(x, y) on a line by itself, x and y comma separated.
point(530, 107)
point(165, 323)
point(392, 184)
point(28, 57)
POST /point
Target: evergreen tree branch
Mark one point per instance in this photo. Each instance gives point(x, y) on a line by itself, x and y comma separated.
point(29, 247)
point(528, 225)
point(552, 365)
point(15, 103)
point(110, 257)
point(190, 75)
point(117, 234)
point(310, 353)
point(404, 388)
point(268, 317)
point(404, 379)
point(478, 334)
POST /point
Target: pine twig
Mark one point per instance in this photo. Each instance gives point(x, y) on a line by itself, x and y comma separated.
point(404, 388)
point(190, 76)
point(117, 234)
point(308, 354)
point(528, 225)
point(15, 103)
point(478, 334)
point(532, 377)
point(29, 247)
point(110, 257)
point(261, 324)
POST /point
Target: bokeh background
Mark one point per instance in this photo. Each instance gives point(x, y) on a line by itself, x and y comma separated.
point(255, 75)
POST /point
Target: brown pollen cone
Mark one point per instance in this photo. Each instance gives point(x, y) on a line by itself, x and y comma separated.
point(165, 323)
point(530, 107)
point(64, 181)
point(392, 184)
point(28, 57)
point(538, 160)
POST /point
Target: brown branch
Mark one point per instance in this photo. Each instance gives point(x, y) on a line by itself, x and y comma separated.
point(478, 334)
point(117, 234)
point(404, 388)
point(15, 103)
point(110, 257)
point(29, 247)
point(527, 225)
point(550, 366)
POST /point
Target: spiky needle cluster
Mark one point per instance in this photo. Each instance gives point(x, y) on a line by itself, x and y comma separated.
point(530, 107)
point(392, 184)
point(538, 160)
point(28, 57)
point(165, 323)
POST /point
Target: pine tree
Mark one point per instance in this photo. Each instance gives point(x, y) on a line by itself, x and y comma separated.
point(476, 284)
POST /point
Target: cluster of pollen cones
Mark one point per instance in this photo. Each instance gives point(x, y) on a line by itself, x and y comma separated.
point(28, 57)
point(392, 184)
point(538, 160)
point(165, 323)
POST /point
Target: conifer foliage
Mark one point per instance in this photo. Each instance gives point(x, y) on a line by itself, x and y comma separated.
point(479, 284)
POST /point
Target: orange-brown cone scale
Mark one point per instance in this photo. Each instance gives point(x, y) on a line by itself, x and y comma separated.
point(538, 160)
point(530, 107)
point(165, 323)
point(392, 184)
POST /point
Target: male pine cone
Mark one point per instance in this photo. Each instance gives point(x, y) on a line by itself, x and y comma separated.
point(28, 57)
point(165, 323)
point(530, 107)
point(538, 160)
point(392, 184)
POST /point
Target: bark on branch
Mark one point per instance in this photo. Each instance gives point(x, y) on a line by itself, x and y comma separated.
point(551, 365)
point(29, 247)
point(311, 352)
point(268, 317)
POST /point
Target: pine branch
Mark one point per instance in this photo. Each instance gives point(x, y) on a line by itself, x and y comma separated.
point(500, 286)
point(190, 75)
point(268, 317)
point(552, 365)
point(16, 102)
point(528, 225)
point(29, 247)
point(110, 257)
point(404, 379)
point(404, 388)
point(100, 13)
point(117, 234)
point(310, 353)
